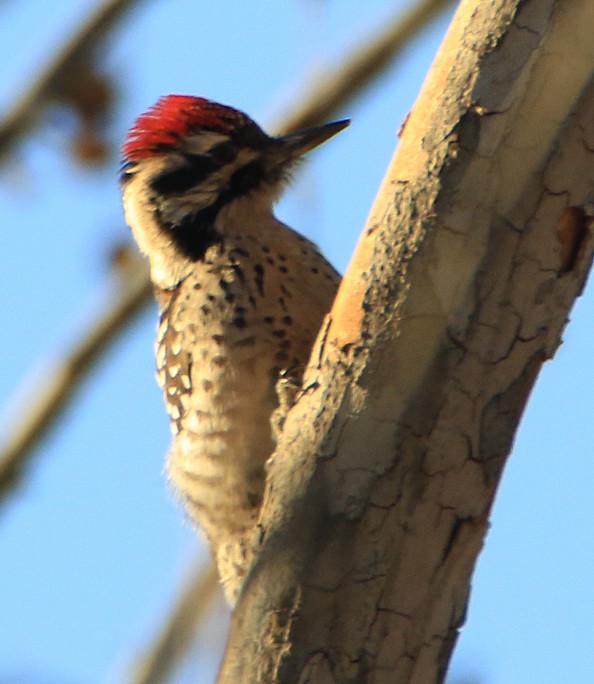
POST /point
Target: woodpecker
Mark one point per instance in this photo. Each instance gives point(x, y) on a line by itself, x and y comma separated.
point(241, 299)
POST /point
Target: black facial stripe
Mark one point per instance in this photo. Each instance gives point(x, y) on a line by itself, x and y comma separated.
point(195, 233)
point(244, 180)
point(191, 171)
point(223, 153)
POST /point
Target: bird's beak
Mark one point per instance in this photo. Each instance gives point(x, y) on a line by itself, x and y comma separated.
point(297, 144)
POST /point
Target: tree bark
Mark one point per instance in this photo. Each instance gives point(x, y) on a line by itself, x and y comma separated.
point(476, 248)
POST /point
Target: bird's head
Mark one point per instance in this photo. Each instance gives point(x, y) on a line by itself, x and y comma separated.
point(187, 158)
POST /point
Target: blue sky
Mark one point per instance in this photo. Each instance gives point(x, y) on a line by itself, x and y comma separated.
point(93, 547)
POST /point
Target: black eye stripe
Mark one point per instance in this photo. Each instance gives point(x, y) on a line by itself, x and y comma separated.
point(194, 169)
point(224, 152)
point(245, 179)
point(202, 163)
point(190, 172)
point(195, 232)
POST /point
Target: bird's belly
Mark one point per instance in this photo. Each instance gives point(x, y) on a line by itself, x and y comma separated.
point(217, 457)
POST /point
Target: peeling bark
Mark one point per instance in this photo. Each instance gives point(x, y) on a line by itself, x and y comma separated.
point(475, 250)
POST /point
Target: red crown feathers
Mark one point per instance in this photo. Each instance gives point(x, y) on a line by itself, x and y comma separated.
point(172, 118)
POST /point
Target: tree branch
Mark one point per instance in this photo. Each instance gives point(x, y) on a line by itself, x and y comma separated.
point(323, 96)
point(55, 76)
point(51, 397)
point(476, 248)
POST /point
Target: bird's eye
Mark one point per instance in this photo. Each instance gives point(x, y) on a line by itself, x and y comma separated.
point(246, 178)
point(223, 153)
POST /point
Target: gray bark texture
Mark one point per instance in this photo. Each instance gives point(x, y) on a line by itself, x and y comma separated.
point(477, 245)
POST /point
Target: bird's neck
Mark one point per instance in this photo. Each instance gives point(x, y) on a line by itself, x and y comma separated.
point(175, 250)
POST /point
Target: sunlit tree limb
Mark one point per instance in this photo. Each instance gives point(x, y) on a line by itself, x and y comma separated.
point(477, 246)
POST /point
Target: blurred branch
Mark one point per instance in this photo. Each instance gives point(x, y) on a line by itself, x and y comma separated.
point(56, 77)
point(358, 71)
point(47, 402)
point(169, 646)
point(355, 73)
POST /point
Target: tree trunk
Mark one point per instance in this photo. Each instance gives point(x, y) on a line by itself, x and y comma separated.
point(475, 250)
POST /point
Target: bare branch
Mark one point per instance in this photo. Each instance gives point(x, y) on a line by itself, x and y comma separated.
point(59, 70)
point(327, 94)
point(358, 70)
point(165, 653)
point(37, 413)
point(477, 246)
